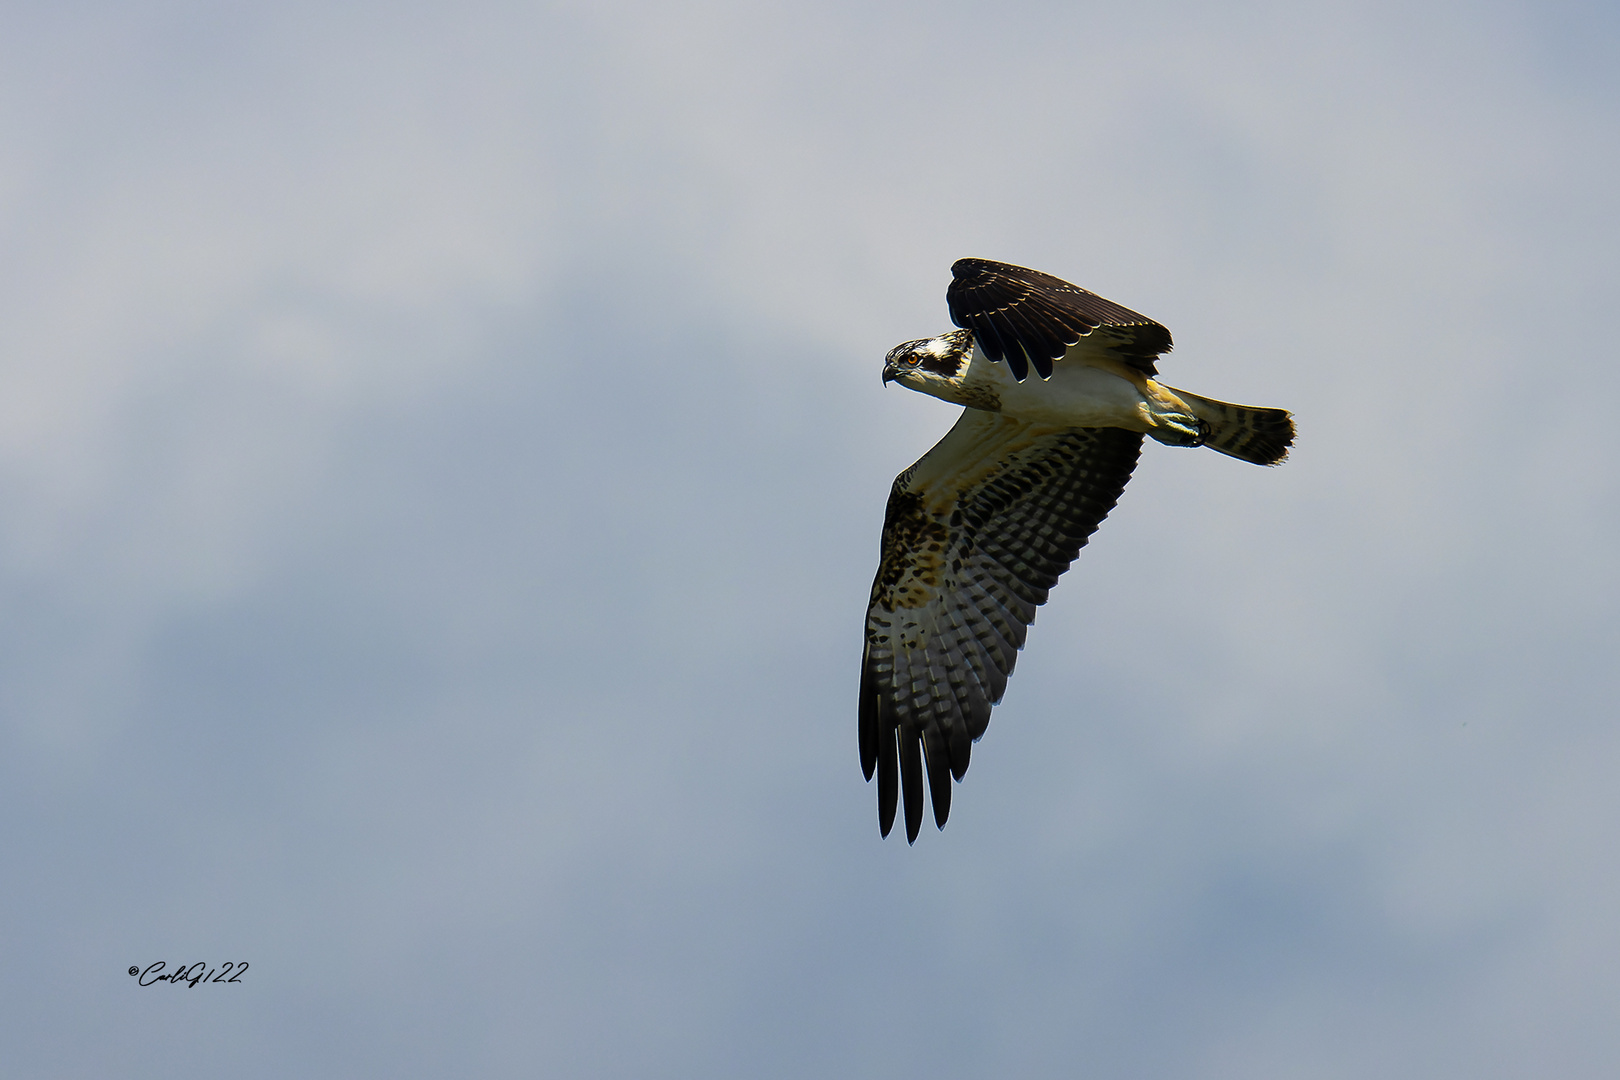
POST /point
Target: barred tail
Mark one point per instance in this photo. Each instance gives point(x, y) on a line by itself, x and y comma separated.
point(1262, 436)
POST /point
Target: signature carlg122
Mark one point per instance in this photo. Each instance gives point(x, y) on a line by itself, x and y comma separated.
point(153, 974)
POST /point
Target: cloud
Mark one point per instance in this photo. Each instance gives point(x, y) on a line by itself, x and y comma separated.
point(441, 461)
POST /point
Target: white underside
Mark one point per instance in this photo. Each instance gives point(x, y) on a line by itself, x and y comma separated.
point(1085, 390)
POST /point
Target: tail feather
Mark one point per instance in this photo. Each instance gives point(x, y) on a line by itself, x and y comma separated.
point(1262, 436)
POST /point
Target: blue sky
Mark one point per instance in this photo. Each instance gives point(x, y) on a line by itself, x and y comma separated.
point(442, 456)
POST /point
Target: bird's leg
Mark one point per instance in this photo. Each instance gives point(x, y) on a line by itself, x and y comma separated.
point(1171, 420)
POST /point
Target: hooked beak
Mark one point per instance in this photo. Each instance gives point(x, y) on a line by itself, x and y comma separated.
point(889, 372)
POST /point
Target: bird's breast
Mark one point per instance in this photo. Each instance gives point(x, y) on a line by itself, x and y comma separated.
point(1084, 391)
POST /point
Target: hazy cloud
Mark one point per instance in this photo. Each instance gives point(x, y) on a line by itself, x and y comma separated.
point(441, 462)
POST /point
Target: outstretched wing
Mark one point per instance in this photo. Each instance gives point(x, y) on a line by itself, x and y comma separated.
point(977, 532)
point(1029, 318)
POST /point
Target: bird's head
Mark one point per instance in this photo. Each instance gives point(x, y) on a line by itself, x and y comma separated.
point(933, 365)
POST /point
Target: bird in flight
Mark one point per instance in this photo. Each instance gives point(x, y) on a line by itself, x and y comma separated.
point(979, 530)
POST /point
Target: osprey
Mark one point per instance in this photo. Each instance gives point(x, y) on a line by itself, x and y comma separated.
point(979, 530)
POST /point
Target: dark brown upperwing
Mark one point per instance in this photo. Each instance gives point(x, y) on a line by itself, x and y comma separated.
point(976, 534)
point(1028, 318)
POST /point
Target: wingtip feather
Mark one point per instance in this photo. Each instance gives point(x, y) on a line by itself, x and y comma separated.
point(911, 781)
point(868, 713)
point(888, 770)
point(939, 777)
